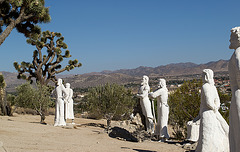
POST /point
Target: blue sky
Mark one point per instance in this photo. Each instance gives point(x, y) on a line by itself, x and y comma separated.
point(126, 34)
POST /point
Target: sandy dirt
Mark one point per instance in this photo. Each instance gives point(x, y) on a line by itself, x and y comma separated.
point(24, 133)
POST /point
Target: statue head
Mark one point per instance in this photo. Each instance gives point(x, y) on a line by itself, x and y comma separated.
point(162, 83)
point(235, 38)
point(59, 82)
point(67, 85)
point(145, 80)
point(208, 76)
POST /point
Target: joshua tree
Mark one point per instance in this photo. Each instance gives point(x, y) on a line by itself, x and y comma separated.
point(3, 95)
point(44, 67)
point(22, 14)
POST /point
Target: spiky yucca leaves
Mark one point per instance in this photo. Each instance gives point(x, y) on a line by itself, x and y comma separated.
point(46, 65)
point(22, 14)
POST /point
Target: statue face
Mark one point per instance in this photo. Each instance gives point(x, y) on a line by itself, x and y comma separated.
point(207, 76)
point(67, 85)
point(59, 82)
point(144, 80)
point(234, 42)
point(162, 83)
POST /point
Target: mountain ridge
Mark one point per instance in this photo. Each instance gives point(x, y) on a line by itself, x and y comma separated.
point(124, 76)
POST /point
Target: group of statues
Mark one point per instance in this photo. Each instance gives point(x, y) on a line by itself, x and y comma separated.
point(64, 104)
point(214, 133)
point(148, 107)
point(209, 128)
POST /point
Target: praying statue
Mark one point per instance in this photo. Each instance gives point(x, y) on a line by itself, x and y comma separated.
point(234, 76)
point(69, 104)
point(146, 104)
point(162, 110)
point(61, 93)
point(213, 132)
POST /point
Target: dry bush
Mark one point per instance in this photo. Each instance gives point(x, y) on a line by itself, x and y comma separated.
point(20, 110)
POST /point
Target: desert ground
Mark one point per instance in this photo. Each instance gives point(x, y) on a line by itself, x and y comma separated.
point(24, 133)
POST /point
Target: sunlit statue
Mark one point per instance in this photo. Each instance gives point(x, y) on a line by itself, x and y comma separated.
point(162, 109)
point(69, 104)
point(146, 104)
point(234, 75)
point(213, 132)
point(61, 93)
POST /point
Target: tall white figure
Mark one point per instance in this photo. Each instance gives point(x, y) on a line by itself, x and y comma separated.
point(213, 133)
point(61, 93)
point(162, 109)
point(145, 103)
point(234, 75)
point(69, 104)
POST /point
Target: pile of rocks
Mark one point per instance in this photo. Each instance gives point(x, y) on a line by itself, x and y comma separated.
point(130, 130)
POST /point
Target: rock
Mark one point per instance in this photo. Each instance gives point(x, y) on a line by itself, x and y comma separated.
point(122, 134)
point(136, 120)
point(189, 146)
point(69, 126)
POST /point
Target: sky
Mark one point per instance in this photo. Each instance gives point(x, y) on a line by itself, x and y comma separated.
point(126, 34)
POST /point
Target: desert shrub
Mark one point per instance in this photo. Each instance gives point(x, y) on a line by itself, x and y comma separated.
point(225, 99)
point(112, 102)
point(20, 110)
point(6, 100)
point(10, 103)
point(81, 105)
point(184, 106)
point(37, 98)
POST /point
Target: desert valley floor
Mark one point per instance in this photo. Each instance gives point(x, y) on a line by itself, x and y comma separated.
point(24, 133)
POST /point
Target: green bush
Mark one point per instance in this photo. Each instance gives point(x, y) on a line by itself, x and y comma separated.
point(225, 99)
point(184, 106)
point(185, 103)
point(112, 102)
point(37, 98)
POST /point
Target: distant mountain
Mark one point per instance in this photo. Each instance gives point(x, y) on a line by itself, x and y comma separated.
point(11, 80)
point(124, 76)
point(91, 80)
point(174, 69)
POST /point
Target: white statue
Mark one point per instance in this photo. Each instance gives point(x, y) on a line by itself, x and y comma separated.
point(69, 104)
point(146, 104)
point(213, 133)
point(162, 109)
point(193, 129)
point(234, 75)
point(61, 93)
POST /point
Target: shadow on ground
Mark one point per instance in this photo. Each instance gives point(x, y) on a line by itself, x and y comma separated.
point(138, 150)
point(93, 125)
point(122, 134)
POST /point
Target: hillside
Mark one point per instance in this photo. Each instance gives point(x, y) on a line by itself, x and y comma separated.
point(175, 69)
point(125, 76)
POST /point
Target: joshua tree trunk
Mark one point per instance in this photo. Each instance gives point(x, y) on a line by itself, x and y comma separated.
point(6, 32)
point(11, 26)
